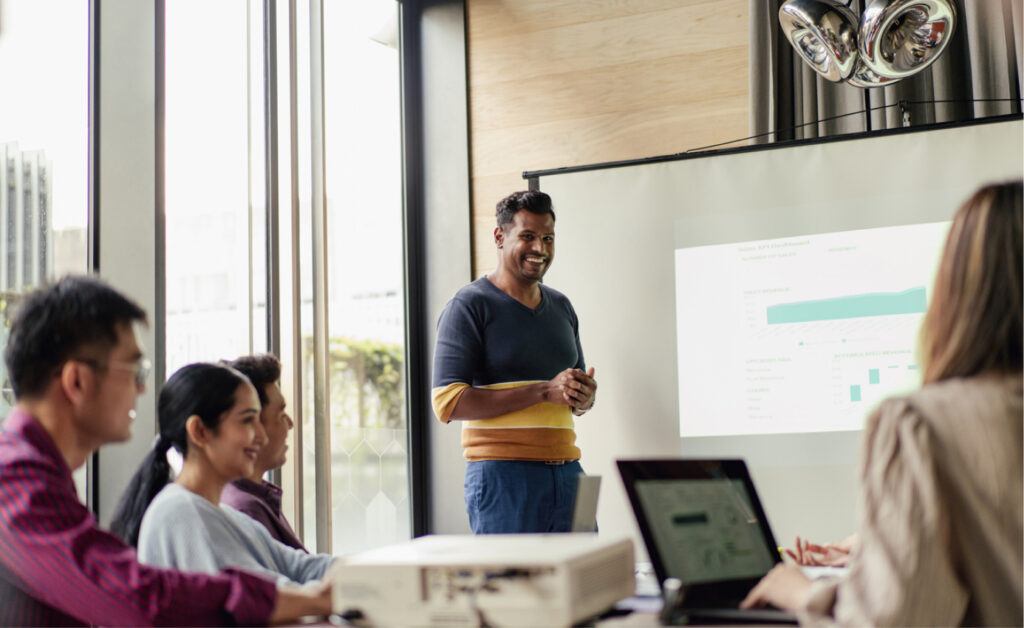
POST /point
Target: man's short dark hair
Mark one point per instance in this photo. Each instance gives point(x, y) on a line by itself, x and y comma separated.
point(262, 370)
point(530, 200)
point(55, 323)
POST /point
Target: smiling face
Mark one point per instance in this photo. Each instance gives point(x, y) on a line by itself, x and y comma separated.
point(277, 424)
point(232, 449)
point(526, 247)
point(106, 410)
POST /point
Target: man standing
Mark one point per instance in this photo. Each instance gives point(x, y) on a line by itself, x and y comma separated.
point(254, 496)
point(76, 370)
point(508, 363)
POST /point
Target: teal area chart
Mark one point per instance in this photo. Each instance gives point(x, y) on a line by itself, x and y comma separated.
point(912, 301)
point(801, 334)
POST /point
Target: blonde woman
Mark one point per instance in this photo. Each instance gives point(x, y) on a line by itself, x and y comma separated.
point(941, 538)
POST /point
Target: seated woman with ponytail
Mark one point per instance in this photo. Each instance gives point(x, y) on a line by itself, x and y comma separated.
point(211, 414)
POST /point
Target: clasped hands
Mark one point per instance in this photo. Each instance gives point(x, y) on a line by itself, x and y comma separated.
point(574, 388)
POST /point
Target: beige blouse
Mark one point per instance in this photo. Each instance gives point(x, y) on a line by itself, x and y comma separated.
point(942, 531)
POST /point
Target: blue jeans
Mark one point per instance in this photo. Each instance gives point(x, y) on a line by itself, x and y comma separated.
point(516, 496)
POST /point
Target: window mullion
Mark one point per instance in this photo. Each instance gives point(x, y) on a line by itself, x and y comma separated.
point(321, 341)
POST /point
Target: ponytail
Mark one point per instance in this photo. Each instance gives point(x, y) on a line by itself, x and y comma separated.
point(152, 476)
point(200, 389)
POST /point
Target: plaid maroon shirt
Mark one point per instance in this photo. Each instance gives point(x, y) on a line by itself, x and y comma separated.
point(57, 567)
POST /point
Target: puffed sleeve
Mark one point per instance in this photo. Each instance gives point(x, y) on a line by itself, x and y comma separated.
point(903, 570)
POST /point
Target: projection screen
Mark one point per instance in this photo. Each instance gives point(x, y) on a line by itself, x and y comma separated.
point(758, 303)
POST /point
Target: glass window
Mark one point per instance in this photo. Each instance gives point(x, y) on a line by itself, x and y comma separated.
point(214, 180)
point(216, 239)
point(369, 463)
point(44, 152)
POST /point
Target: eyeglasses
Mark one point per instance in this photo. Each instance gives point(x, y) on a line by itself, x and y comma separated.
point(139, 370)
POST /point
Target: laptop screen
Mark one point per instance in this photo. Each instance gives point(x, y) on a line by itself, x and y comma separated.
point(702, 523)
point(706, 530)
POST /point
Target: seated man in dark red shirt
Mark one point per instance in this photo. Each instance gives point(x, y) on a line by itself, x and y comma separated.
point(255, 496)
point(76, 370)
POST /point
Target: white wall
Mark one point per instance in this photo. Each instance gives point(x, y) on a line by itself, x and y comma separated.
point(127, 203)
point(446, 231)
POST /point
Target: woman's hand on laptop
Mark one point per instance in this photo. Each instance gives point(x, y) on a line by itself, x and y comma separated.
point(784, 587)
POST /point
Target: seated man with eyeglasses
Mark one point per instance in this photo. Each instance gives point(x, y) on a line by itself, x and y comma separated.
point(76, 370)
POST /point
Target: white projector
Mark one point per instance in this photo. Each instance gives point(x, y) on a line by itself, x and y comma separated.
point(496, 580)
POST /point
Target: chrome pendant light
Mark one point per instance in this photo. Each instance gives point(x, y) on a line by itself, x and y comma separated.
point(824, 33)
point(899, 38)
point(865, 77)
point(895, 38)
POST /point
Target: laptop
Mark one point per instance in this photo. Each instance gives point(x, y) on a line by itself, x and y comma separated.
point(703, 524)
point(584, 512)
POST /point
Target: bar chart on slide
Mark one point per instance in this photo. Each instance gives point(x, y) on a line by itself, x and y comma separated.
point(801, 334)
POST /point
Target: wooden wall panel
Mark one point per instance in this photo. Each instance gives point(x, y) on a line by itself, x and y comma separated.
point(568, 82)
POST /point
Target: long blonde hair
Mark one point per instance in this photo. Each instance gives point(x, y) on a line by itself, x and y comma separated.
point(974, 322)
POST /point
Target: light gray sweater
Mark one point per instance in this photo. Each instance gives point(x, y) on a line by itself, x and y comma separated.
point(182, 530)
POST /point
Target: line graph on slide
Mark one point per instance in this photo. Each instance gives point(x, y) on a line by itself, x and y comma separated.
point(800, 334)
